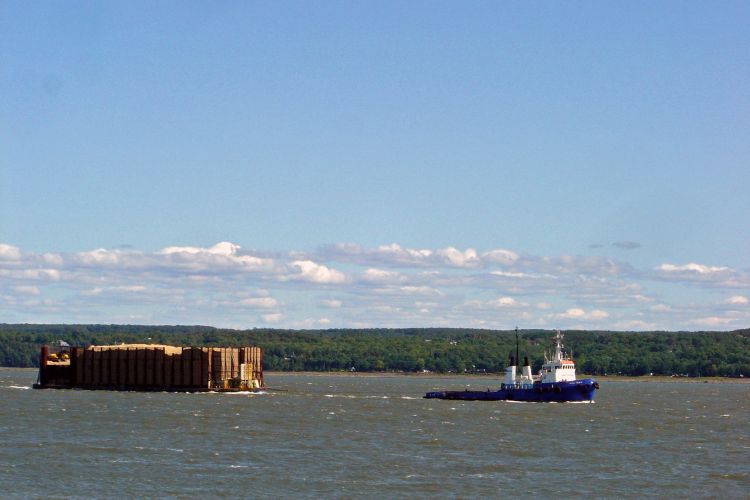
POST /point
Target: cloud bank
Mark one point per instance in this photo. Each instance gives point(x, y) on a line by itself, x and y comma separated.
point(348, 285)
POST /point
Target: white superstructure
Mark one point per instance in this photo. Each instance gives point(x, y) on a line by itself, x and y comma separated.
point(560, 368)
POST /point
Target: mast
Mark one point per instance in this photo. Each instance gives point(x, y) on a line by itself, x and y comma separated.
point(517, 357)
point(558, 345)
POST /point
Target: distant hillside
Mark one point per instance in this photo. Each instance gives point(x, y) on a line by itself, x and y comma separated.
point(416, 349)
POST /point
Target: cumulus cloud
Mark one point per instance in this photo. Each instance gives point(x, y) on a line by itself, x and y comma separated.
point(715, 276)
point(387, 285)
point(497, 305)
point(381, 276)
point(395, 255)
point(713, 321)
point(573, 313)
point(221, 255)
point(635, 325)
point(458, 258)
point(500, 256)
point(312, 323)
point(407, 290)
point(738, 300)
point(308, 270)
point(260, 302)
point(52, 259)
point(27, 290)
point(31, 274)
point(580, 314)
point(507, 274)
point(392, 254)
point(223, 248)
point(660, 308)
point(99, 257)
point(8, 252)
point(692, 268)
point(130, 288)
point(272, 318)
point(504, 302)
point(576, 265)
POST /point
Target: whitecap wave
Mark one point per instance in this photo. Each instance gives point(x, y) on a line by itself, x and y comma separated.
point(353, 396)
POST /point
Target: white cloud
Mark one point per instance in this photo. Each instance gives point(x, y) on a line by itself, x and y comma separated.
point(8, 252)
point(500, 256)
point(504, 302)
point(419, 290)
point(636, 325)
point(222, 255)
point(260, 302)
point(100, 256)
point(580, 314)
point(395, 255)
point(128, 291)
point(380, 276)
point(272, 318)
point(701, 274)
point(52, 259)
point(713, 321)
point(407, 290)
point(223, 248)
point(312, 323)
point(573, 313)
point(390, 285)
point(31, 274)
point(403, 253)
point(692, 268)
point(457, 258)
point(130, 288)
point(506, 274)
point(308, 270)
point(598, 314)
point(660, 308)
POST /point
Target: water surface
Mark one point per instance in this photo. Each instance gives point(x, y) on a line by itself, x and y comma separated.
point(368, 437)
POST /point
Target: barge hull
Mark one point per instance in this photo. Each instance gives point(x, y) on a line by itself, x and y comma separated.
point(152, 368)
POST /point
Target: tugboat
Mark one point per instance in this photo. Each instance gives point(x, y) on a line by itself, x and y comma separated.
point(556, 382)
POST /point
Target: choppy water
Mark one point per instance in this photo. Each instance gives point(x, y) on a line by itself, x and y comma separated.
point(368, 437)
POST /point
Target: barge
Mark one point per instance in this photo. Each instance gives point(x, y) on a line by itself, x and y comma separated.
point(150, 367)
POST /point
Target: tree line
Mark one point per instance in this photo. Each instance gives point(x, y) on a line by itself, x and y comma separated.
point(441, 350)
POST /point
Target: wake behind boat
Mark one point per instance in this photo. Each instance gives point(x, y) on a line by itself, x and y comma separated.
point(556, 382)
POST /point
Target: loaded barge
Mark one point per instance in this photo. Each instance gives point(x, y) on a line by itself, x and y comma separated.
point(149, 367)
point(555, 383)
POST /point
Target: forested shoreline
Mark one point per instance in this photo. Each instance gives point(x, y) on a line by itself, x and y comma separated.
point(441, 350)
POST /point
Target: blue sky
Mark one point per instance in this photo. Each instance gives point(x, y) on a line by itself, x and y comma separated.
point(328, 164)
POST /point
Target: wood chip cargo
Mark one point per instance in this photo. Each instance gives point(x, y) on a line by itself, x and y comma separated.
point(149, 367)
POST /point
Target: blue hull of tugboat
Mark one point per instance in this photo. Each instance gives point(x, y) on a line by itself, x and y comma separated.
point(558, 392)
